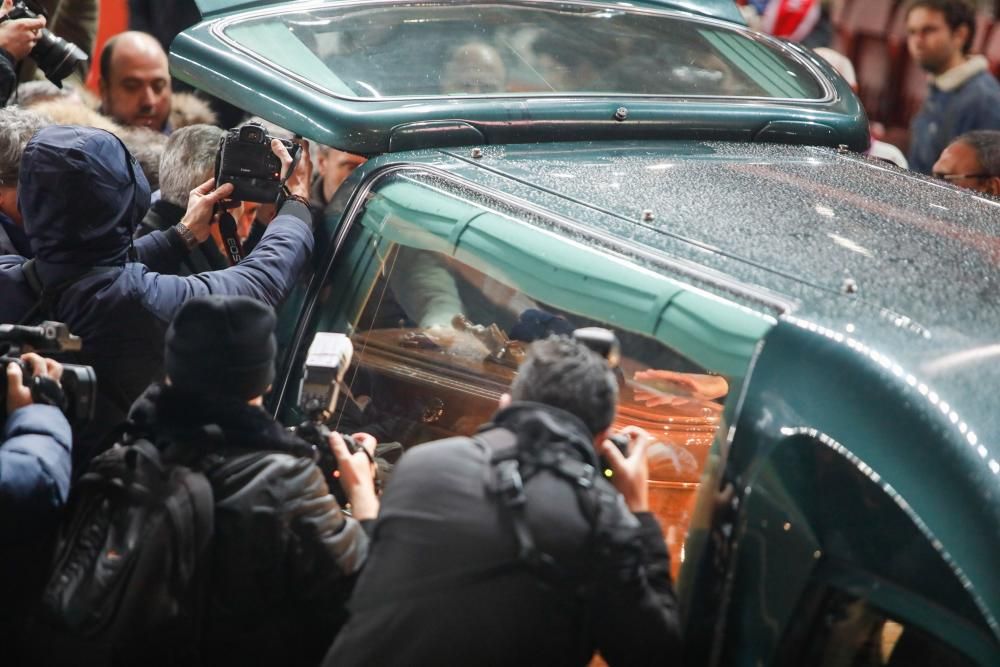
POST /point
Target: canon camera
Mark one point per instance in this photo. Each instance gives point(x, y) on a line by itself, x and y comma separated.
point(246, 160)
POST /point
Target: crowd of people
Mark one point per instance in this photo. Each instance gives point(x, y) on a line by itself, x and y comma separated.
point(109, 225)
point(502, 548)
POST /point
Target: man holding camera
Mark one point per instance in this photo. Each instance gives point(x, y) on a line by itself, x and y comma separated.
point(34, 483)
point(17, 39)
point(510, 547)
point(283, 555)
point(81, 195)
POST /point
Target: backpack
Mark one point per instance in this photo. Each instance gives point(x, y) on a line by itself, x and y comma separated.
point(614, 554)
point(511, 466)
point(129, 581)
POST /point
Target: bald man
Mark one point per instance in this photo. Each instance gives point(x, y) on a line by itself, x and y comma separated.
point(135, 81)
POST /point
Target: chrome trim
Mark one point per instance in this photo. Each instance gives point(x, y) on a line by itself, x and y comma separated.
point(219, 26)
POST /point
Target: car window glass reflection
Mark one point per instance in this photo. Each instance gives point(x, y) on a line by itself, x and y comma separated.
point(548, 48)
point(438, 341)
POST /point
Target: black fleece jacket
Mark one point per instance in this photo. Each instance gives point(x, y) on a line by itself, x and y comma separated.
point(439, 522)
point(284, 556)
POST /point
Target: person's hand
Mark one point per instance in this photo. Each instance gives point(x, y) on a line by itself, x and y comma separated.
point(264, 214)
point(631, 473)
point(19, 37)
point(201, 212)
point(357, 474)
point(299, 180)
point(19, 395)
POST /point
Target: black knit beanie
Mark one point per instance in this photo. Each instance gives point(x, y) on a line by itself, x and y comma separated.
point(222, 345)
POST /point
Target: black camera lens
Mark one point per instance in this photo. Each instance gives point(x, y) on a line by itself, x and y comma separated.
point(56, 57)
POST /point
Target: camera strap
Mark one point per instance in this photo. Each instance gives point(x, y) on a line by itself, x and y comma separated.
point(230, 237)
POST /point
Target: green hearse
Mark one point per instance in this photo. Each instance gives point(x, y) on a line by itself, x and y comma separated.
point(812, 335)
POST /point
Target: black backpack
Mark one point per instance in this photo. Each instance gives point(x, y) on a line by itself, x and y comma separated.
point(614, 552)
point(129, 581)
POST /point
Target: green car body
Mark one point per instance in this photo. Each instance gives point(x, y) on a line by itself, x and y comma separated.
point(852, 306)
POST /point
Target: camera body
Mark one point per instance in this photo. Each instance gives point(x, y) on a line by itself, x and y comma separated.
point(621, 442)
point(79, 383)
point(56, 57)
point(246, 160)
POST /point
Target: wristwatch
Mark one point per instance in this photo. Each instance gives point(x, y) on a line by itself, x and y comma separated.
point(186, 235)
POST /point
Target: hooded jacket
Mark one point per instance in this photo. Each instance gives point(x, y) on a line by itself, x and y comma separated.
point(432, 587)
point(35, 446)
point(81, 195)
point(284, 556)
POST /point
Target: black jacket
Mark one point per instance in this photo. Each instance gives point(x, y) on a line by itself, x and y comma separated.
point(8, 76)
point(284, 556)
point(163, 215)
point(440, 526)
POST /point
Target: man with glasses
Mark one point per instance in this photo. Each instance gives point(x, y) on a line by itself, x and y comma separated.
point(963, 95)
point(972, 161)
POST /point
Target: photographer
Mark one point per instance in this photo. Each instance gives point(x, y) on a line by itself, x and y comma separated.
point(188, 160)
point(82, 195)
point(34, 483)
point(284, 556)
point(510, 548)
point(17, 39)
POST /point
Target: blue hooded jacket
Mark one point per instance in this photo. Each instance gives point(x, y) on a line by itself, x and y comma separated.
point(81, 195)
point(34, 484)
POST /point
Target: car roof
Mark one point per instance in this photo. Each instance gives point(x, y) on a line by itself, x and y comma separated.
point(902, 265)
point(247, 58)
point(718, 9)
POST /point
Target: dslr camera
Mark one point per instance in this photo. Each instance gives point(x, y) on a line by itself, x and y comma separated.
point(326, 364)
point(79, 383)
point(245, 159)
point(56, 57)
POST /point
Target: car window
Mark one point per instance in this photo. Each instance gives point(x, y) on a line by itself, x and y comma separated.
point(439, 341)
point(851, 632)
point(440, 319)
point(371, 51)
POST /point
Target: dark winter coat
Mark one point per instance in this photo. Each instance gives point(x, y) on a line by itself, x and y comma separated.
point(12, 238)
point(8, 76)
point(34, 482)
point(82, 195)
point(284, 556)
point(439, 523)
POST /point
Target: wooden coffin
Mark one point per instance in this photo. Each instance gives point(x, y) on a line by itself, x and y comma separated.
point(441, 387)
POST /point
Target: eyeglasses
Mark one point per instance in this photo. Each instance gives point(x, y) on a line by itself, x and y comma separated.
point(959, 177)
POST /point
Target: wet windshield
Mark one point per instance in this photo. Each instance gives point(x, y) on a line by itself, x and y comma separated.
point(374, 51)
